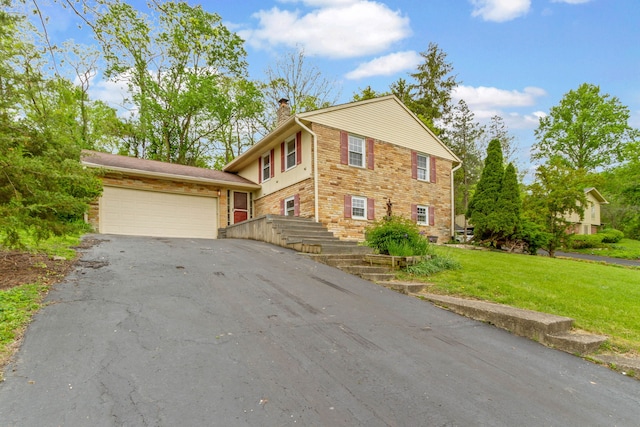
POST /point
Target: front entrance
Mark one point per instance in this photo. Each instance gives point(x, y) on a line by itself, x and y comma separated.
point(240, 207)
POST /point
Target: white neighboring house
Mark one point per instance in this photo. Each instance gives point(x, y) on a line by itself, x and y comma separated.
point(590, 223)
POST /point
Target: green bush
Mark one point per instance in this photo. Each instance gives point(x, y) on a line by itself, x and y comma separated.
point(611, 235)
point(433, 265)
point(585, 241)
point(532, 235)
point(396, 234)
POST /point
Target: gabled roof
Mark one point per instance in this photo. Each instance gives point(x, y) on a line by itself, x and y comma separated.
point(596, 194)
point(384, 118)
point(156, 169)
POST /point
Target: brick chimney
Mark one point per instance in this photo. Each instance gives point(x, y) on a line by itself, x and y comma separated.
point(284, 111)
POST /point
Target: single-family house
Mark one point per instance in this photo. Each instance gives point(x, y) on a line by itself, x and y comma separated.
point(344, 166)
point(590, 222)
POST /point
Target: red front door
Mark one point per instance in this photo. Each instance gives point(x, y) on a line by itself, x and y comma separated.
point(240, 207)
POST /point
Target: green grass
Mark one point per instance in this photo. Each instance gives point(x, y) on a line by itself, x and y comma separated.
point(54, 246)
point(626, 248)
point(603, 299)
point(17, 305)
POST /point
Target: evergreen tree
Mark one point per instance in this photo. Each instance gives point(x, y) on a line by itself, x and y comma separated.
point(506, 219)
point(483, 203)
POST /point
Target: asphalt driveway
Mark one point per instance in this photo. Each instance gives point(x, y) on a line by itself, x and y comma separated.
point(165, 332)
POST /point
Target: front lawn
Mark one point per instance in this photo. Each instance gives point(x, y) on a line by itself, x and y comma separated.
point(626, 248)
point(603, 299)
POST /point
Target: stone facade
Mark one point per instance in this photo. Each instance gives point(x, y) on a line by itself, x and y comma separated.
point(271, 203)
point(390, 179)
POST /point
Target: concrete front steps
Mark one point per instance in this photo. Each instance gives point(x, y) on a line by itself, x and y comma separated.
point(548, 329)
point(357, 265)
point(308, 236)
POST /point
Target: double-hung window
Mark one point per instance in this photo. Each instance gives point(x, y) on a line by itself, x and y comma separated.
point(359, 207)
point(356, 151)
point(422, 215)
point(266, 167)
point(290, 206)
point(290, 147)
point(423, 167)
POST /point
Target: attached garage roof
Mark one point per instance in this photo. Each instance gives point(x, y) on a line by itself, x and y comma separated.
point(153, 168)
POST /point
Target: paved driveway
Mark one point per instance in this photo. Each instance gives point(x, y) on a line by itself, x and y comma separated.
point(166, 332)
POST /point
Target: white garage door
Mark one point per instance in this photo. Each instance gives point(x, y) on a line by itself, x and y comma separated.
point(150, 213)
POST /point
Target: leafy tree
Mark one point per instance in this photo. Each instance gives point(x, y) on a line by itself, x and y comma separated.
point(557, 192)
point(402, 90)
point(587, 130)
point(178, 76)
point(303, 85)
point(431, 91)
point(462, 136)
point(43, 187)
point(622, 188)
point(366, 93)
point(483, 203)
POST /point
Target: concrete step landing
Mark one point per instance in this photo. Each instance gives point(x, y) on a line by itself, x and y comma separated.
point(545, 328)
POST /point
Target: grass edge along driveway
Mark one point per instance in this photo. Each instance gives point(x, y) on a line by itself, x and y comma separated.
point(602, 299)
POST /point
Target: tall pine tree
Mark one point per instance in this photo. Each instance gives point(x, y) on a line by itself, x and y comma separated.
point(506, 219)
point(483, 202)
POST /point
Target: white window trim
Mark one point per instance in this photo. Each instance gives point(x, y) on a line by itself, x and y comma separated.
point(268, 157)
point(364, 151)
point(427, 172)
point(364, 207)
point(426, 215)
point(287, 153)
point(293, 207)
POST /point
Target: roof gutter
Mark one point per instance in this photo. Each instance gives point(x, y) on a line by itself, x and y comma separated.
point(226, 184)
point(315, 167)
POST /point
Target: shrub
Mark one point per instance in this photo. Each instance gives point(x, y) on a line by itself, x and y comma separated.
point(585, 241)
point(532, 235)
point(396, 234)
point(611, 235)
point(433, 265)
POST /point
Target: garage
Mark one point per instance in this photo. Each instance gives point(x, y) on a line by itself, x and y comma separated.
point(144, 197)
point(151, 213)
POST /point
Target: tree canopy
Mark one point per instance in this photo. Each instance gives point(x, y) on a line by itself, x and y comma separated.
point(587, 130)
point(43, 187)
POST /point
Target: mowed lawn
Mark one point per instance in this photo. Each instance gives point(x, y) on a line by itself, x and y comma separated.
point(603, 299)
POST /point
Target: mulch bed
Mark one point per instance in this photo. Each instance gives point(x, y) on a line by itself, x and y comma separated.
point(18, 268)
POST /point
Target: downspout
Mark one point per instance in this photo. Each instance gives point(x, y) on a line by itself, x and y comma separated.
point(453, 204)
point(315, 167)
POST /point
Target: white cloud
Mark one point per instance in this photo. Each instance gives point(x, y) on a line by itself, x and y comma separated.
point(501, 10)
point(387, 65)
point(485, 98)
point(335, 29)
point(114, 93)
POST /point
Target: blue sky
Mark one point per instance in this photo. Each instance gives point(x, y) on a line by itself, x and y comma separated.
point(515, 58)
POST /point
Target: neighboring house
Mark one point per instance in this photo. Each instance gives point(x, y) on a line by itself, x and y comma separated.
point(343, 166)
point(590, 223)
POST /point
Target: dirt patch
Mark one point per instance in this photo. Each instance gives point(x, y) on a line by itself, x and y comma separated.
point(19, 268)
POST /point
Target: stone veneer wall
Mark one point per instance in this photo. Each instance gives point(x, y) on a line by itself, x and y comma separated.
point(391, 178)
point(163, 185)
point(270, 203)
